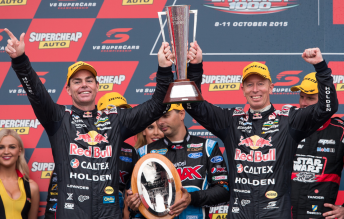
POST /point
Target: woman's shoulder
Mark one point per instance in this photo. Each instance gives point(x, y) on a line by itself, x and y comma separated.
point(33, 185)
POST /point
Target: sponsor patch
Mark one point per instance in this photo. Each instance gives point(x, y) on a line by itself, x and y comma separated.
point(109, 190)
point(160, 151)
point(222, 177)
point(195, 155)
point(69, 206)
point(217, 159)
point(190, 173)
point(126, 159)
point(74, 163)
point(195, 145)
point(271, 194)
point(83, 198)
point(108, 199)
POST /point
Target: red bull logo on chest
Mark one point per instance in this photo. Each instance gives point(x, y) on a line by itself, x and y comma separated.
point(255, 142)
point(92, 137)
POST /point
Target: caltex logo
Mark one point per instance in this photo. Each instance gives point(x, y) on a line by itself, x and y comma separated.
point(74, 163)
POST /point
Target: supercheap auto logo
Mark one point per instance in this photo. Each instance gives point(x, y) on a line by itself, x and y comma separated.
point(21, 126)
point(22, 119)
point(73, 5)
point(338, 78)
point(57, 40)
point(117, 41)
point(54, 40)
point(221, 82)
point(137, 2)
point(12, 2)
point(107, 82)
point(218, 212)
point(41, 166)
point(249, 7)
point(45, 168)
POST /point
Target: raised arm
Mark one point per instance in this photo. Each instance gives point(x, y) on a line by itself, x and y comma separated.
point(46, 111)
point(137, 119)
point(303, 122)
point(213, 118)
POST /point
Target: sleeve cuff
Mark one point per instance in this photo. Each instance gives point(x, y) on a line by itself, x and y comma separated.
point(20, 59)
point(196, 67)
point(194, 198)
point(164, 72)
point(321, 66)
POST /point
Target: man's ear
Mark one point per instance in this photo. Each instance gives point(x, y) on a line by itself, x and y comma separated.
point(68, 90)
point(271, 87)
point(242, 88)
point(97, 86)
point(182, 114)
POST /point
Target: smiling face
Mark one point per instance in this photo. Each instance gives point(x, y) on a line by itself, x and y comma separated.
point(83, 89)
point(9, 151)
point(257, 91)
point(152, 133)
point(307, 99)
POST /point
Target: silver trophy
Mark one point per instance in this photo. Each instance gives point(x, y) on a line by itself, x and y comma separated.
point(156, 187)
point(182, 90)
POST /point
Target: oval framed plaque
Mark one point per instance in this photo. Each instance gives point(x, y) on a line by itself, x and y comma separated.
point(158, 184)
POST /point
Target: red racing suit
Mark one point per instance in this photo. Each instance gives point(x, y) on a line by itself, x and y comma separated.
point(261, 147)
point(77, 136)
point(317, 170)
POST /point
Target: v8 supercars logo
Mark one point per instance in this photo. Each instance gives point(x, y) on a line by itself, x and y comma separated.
point(286, 80)
point(114, 44)
point(249, 7)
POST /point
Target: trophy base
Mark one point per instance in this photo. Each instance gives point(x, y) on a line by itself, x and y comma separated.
point(183, 91)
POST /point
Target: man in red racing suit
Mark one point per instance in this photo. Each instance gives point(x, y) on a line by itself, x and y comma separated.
point(318, 163)
point(261, 143)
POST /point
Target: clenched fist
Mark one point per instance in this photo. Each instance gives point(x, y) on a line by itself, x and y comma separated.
point(312, 56)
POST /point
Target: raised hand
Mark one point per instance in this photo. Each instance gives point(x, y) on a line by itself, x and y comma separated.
point(312, 56)
point(195, 53)
point(165, 55)
point(14, 47)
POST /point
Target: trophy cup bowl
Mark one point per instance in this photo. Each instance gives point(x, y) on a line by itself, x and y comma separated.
point(182, 89)
point(158, 184)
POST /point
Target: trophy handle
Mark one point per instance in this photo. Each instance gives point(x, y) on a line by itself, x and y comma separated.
point(195, 24)
point(162, 28)
point(195, 12)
